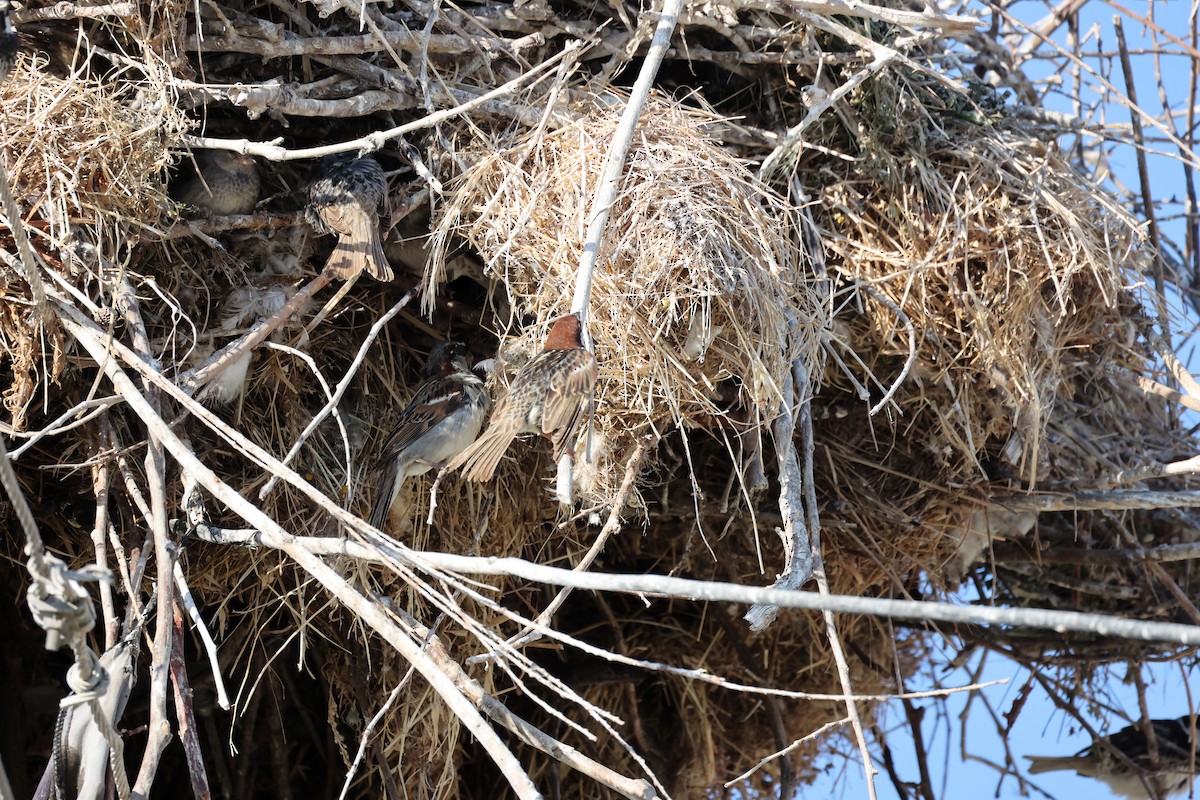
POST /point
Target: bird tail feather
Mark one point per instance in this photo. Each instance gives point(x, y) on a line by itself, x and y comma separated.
point(357, 252)
point(479, 461)
point(386, 490)
point(1039, 764)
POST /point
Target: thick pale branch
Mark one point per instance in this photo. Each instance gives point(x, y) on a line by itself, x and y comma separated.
point(715, 591)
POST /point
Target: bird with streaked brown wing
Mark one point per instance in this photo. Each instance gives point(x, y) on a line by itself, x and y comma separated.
point(547, 397)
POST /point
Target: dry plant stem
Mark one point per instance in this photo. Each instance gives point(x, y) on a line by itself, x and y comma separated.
point(1186, 154)
point(100, 481)
point(606, 193)
point(362, 44)
point(366, 610)
point(94, 408)
point(68, 10)
point(1156, 569)
point(1178, 370)
point(233, 222)
point(370, 613)
point(851, 8)
point(1116, 500)
point(1165, 553)
point(611, 526)
point(1187, 466)
point(184, 712)
point(818, 569)
point(1154, 387)
point(828, 726)
point(159, 727)
point(210, 647)
point(343, 385)
point(369, 730)
point(312, 425)
point(883, 57)
point(614, 164)
point(912, 347)
point(716, 591)
point(497, 711)
point(374, 141)
point(798, 567)
point(327, 546)
point(199, 376)
point(1135, 118)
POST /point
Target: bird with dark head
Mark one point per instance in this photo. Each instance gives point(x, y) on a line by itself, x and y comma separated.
point(1135, 776)
point(443, 417)
point(227, 183)
point(345, 199)
point(547, 397)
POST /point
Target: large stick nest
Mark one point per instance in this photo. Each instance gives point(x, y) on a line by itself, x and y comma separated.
point(965, 301)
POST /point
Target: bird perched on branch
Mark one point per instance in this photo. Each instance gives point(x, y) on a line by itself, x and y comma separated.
point(546, 396)
point(1170, 776)
point(443, 417)
point(228, 183)
point(345, 199)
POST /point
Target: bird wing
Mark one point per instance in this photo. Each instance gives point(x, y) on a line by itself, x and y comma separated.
point(480, 459)
point(569, 383)
point(433, 402)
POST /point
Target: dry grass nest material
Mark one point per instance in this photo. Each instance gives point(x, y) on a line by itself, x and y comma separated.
point(1009, 270)
point(701, 299)
point(89, 163)
point(1015, 281)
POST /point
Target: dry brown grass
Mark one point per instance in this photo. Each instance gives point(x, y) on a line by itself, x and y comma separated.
point(937, 215)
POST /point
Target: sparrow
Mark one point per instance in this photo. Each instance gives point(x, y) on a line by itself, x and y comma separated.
point(345, 199)
point(227, 183)
point(1171, 776)
point(443, 417)
point(246, 306)
point(547, 396)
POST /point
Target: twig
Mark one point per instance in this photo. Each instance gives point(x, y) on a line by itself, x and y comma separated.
point(1154, 387)
point(68, 10)
point(330, 406)
point(184, 712)
point(796, 536)
point(1135, 118)
point(606, 193)
point(773, 163)
point(716, 591)
point(210, 647)
point(498, 712)
point(201, 375)
point(818, 571)
point(159, 728)
point(233, 222)
point(1165, 553)
point(613, 524)
point(374, 141)
point(912, 347)
point(100, 486)
point(762, 762)
point(896, 16)
point(93, 407)
point(365, 738)
point(1119, 500)
point(367, 611)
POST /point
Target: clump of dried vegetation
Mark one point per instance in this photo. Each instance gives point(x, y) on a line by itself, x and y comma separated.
point(851, 275)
